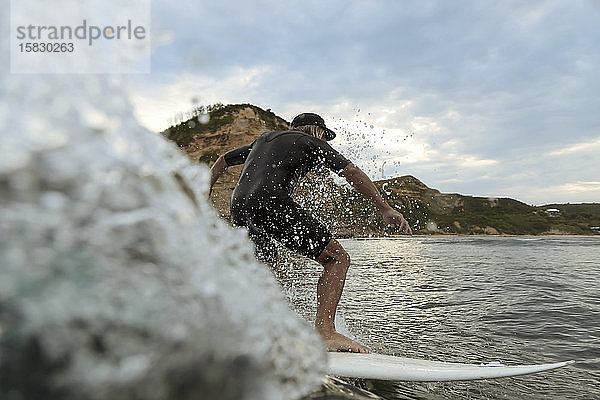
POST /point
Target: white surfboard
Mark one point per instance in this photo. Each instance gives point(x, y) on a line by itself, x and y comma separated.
point(383, 367)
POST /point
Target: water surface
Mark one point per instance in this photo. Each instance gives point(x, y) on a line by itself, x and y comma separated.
point(516, 300)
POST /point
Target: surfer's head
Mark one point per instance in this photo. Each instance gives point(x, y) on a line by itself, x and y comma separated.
point(314, 125)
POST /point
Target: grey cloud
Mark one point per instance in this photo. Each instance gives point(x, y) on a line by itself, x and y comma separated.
point(502, 79)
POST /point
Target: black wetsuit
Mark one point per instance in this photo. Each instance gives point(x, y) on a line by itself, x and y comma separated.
point(262, 201)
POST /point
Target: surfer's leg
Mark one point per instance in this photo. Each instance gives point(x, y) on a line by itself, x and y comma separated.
point(335, 261)
point(264, 247)
point(299, 231)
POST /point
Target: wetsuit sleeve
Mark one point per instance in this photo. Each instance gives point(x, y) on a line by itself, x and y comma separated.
point(329, 156)
point(238, 156)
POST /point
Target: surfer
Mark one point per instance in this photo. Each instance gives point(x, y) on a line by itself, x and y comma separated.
point(262, 203)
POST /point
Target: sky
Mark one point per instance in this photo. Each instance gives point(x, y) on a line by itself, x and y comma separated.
point(484, 98)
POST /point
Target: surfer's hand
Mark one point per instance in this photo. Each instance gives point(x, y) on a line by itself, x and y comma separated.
point(394, 218)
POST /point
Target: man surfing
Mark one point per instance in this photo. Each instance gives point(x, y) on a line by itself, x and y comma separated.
point(262, 202)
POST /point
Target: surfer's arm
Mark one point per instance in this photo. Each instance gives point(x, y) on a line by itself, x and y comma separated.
point(218, 168)
point(363, 185)
point(233, 157)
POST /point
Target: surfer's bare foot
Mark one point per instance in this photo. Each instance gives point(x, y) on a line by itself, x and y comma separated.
point(338, 342)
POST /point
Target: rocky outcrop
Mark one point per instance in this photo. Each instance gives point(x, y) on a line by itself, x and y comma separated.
point(222, 129)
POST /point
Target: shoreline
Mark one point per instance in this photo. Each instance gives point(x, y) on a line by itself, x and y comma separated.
point(464, 235)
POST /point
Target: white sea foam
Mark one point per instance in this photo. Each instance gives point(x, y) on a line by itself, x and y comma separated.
point(116, 272)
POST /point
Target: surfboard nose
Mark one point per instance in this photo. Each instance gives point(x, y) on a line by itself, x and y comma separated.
point(384, 367)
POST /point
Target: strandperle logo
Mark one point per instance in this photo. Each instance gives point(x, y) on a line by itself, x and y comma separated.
point(85, 31)
point(80, 37)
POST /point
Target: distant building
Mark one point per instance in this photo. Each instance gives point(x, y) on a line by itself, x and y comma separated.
point(553, 212)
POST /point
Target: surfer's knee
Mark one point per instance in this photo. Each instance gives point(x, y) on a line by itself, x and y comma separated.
point(335, 252)
point(343, 257)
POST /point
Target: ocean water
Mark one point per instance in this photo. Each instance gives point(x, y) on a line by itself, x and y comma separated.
point(516, 300)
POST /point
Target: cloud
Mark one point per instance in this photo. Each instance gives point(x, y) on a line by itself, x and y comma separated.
point(497, 96)
point(588, 146)
point(571, 192)
point(581, 186)
point(156, 104)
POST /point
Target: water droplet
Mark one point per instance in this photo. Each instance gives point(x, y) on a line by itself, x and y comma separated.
point(204, 118)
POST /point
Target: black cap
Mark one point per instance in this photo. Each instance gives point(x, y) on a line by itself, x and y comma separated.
point(313, 119)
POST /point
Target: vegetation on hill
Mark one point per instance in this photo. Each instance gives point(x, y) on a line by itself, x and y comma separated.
point(204, 120)
point(213, 130)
